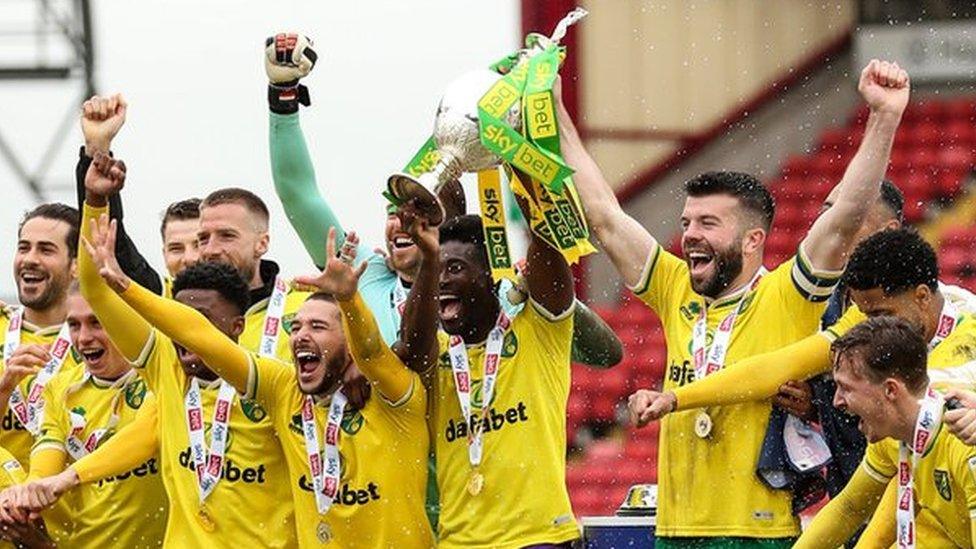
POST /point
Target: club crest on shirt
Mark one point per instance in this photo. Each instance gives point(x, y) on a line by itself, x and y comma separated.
point(135, 394)
point(510, 344)
point(690, 311)
point(352, 422)
point(942, 484)
point(252, 410)
point(286, 322)
point(476, 395)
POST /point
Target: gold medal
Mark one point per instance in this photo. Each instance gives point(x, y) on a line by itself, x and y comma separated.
point(323, 532)
point(703, 424)
point(476, 483)
point(205, 520)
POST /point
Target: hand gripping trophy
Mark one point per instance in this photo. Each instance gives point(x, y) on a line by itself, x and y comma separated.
point(489, 118)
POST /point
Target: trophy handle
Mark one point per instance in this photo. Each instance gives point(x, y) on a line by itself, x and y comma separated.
point(406, 187)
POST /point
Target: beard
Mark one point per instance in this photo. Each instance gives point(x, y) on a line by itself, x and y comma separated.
point(728, 266)
point(55, 291)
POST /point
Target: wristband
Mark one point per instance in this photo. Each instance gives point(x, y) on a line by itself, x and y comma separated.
point(284, 98)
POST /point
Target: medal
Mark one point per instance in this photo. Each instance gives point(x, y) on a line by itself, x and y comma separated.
point(476, 483)
point(323, 532)
point(205, 520)
point(272, 318)
point(703, 424)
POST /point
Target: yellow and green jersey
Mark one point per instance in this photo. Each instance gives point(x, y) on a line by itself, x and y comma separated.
point(14, 437)
point(524, 499)
point(251, 504)
point(383, 454)
point(945, 486)
point(783, 307)
point(127, 510)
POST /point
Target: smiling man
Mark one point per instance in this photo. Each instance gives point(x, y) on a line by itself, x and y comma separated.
point(373, 496)
point(83, 410)
point(880, 370)
point(200, 418)
point(44, 263)
point(717, 305)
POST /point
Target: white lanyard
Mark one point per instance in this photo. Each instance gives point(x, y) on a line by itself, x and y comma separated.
point(926, 426)
point(79, 448)
point(399, 297)
point(272, 319)
point(12, 341)
point(325, 472)
point(948, 320)
point(462, 381)
point(208, 463)
point(709, 360)
point(30, 410)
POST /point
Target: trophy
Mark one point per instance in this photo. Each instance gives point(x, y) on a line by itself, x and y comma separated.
point(457, 129)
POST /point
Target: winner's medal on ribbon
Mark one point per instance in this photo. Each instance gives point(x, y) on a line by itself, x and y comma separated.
point(476, 483)
point(323, 532)
point(206, 521)
point(703, 424)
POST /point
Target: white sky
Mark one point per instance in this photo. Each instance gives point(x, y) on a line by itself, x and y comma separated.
point(193, 75)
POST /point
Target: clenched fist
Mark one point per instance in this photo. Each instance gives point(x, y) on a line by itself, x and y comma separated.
point(885, 87)
point(101, 120)
point(646, 406)
point(288, 57)
point(105, 177)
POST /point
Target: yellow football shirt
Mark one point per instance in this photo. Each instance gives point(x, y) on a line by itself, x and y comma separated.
point(784, 307)
point(254, 324)
point(128, 510)
point(13, 436)
point(945, 487)
point(383, 451)
point(11, 473)
point(524, 500)
point(251, 505)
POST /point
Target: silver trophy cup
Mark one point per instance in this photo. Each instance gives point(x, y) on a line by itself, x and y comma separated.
point(456, 130)
point(456, 133)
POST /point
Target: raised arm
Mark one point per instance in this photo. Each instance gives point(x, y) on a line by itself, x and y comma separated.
point(127, 329)
point(626, 242)
point(838, 521)
point(288, 58)
point(885, 88)
point(372, 355)
point(594, 343)
point(181, 323)
point(417, 343)
point(101, 120)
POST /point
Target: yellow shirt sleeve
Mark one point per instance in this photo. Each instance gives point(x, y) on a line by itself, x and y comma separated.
point(129, 332)
point(841, 517)
point(131, 446)
point(880, 532)
point(373, 356)
point(663, 281)
point(758, 377)
point(852, 317)
point(192, 330)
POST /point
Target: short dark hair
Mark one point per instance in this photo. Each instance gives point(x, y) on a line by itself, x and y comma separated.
point(235, 195)
point(180, 211)
point(220, 277)
point(467, 229)
point(57, 212)
point(887, 346)
point(895, 260)
point(893, 199)
point(322, 296)
point(754, 197)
